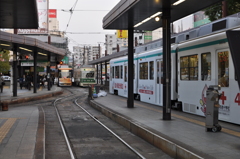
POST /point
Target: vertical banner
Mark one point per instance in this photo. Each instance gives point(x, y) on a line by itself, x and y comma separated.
point(122, 34)
point(42, 13)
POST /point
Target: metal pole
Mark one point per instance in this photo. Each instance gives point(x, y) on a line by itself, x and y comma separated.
point(130, 100)
point(166, 61)
point(97, 74)
point(101, 73)
point(105, 72)
point(14, 69)
point(48, 72)
point(35, 70)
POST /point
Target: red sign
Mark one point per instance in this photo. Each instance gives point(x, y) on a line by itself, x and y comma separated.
point(52, 13)
point(119, 85)
point(146, 91)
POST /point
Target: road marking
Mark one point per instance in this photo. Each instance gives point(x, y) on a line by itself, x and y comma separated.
point(4, 129)
point(228, 131)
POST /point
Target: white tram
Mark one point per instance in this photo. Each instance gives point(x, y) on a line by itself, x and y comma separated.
point(200, 57)
point(85, 76)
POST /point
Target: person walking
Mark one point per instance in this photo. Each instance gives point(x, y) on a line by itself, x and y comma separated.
point(1, 82)
point(21, 82)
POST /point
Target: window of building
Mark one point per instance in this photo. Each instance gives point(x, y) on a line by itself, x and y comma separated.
point(144, 70)
point(189, 67)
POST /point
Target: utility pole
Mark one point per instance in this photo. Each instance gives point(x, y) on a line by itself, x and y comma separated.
point(224, 9)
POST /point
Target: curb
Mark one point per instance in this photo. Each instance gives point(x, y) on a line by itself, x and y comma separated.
point(32, 98)
point(165, 145)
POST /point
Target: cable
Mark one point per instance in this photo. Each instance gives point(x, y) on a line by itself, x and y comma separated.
point(65, 10)
point(71, 11)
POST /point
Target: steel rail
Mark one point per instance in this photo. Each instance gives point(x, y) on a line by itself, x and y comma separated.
point(119, 138)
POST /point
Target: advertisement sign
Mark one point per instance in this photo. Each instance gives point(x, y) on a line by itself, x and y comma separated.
point(122, 34)
point(42, 6)
point(52, 13)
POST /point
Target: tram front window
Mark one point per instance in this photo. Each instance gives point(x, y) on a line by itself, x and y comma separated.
point(65, 75)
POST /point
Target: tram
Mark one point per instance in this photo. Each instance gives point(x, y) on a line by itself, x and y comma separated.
point(85, 75)
point(64, 76)
point(200, 57)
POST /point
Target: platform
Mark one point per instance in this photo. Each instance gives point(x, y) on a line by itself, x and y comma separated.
point(183, 136)
point(20, 136)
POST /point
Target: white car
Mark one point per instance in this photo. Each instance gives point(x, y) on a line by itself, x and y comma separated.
point(6, 78)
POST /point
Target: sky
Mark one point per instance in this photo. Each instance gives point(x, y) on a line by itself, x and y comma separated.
point(86, 18)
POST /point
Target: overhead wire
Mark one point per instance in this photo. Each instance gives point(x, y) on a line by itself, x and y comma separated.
point(71, 12)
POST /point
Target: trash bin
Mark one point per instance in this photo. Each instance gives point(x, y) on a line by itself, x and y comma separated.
point(4, 106)
point(212, 107)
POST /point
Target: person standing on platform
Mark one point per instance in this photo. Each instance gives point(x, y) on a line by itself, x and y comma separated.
point(21, 82)
point(1, 82)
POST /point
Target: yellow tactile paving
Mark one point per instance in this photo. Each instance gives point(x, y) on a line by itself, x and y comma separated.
point(4, 129)
point(228, 131)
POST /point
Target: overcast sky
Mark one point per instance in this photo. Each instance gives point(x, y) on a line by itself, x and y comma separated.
point(86, 18)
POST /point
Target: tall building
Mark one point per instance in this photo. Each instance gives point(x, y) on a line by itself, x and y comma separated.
point(81, 55)
point(110, 43)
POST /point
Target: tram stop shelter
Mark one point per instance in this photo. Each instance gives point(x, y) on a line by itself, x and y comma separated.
point(23, 14)
point(142, 15)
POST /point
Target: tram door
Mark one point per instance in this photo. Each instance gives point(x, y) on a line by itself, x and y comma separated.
point(111, 84)
point(224, 71)
point(159, 87)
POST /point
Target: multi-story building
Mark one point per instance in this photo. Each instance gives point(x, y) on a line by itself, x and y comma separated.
point(83, 54)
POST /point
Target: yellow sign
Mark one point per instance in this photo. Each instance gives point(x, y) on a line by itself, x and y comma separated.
point(122, 34)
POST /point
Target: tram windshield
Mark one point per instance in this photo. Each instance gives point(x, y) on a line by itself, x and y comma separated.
point(88, 74)
point(64, 74)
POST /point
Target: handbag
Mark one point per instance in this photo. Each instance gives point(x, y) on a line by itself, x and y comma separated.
point(3, 83)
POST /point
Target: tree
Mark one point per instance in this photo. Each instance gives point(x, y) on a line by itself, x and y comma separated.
point(215, 12)
point(4, 60)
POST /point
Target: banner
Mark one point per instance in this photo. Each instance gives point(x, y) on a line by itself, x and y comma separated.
point(122, 34)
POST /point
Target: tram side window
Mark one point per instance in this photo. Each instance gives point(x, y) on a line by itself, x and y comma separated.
point(144, 70)
point(112, 73)
point(151, 70)
point(159, 72)
point(206, 67)
point(125, 73)
point(134, 71)
point(121, 72)
point(117, 71)
point(189, 68)
point(223, 69)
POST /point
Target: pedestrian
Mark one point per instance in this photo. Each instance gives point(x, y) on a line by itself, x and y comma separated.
point(21, 82)
point(1, 82)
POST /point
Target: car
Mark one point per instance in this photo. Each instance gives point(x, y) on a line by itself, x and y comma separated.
point(6, 78)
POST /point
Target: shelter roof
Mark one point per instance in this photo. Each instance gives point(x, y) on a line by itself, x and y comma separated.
point(18, 14)
point(128, 13)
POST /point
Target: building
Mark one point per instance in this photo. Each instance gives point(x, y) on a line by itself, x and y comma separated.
point(82, 54)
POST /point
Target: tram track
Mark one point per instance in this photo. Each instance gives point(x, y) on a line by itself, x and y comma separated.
point(77, 101)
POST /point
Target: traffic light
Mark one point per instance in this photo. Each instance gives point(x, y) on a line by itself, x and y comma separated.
point(26, 57)
point(61, 62)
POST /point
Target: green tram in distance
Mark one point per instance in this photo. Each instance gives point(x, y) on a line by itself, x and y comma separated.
point(85, 76)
